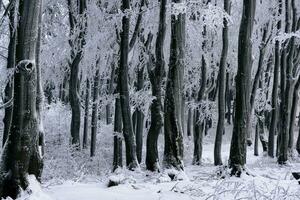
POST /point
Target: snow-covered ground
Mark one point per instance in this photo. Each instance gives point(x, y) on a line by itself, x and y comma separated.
point(75, 176)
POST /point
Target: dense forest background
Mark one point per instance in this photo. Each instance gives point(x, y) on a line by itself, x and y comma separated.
point(178, 91)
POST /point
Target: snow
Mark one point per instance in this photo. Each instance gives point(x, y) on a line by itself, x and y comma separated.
point(69, 176)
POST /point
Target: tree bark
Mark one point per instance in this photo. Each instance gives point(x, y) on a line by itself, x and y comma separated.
point(11, 63)
point(94, 122)
point(131, 158)
point(274, 114)
point(24, 133)
point(173, 152)
point(86, 114)
point(156, 75)
point(222, 85)
point(237, 158)
point(76, 56)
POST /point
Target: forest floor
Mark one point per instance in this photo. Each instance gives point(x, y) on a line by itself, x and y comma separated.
point(70, 175)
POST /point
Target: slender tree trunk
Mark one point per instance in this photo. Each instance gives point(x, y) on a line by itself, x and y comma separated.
point(131, 158)
point(274, 113)
point(237, 158)
point(11, 63)
point(86, 114)
point(24, 134)
point(222, 82)
point(94, 123)
point(117, 138)
point(190, 122)
point(110, 92)
point(199, 123)
point(228, 98)
point(286, 89)
point(139, 118)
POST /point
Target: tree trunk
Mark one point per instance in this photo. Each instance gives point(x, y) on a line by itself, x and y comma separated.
point(110, 92)
point(173, 152)
point(131, 158)
point(228, 98)
point(190, 122)
point(36, 160)
point(86, 114)
point(222, 82)
point(286, 88)
point(156, 75)
point(139, 118)
point(11, 63)
point(293, 116)
point(199, 123)
point(117, 138)
point(274, 115)
point(76, 56)
point(24, 134)
point(237, 158)
point(94, 123)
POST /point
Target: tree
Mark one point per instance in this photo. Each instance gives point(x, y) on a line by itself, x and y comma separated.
point(237, 158)
point(222, 88)
point(20, 156)
point(11, 60)
point(173, 152)
point(156, 74)
point(274, 117)
point(130, 144)
point(76, 10)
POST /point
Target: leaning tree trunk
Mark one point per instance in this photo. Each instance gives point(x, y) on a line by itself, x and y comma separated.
point(131, 158)
point(222, 85)
point(11, 63)
point(173, 152)
point(237, 158)
point(156, 75)
point(24, 133)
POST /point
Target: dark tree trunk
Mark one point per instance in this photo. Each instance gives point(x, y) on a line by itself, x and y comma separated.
point(221, 88)
point(156, 75)
point(274, 113)
point(287, 88)
point(237, 158)
point(198, 122)
point(117, 138)
point(76, 56)
point(173, 152)
point(23, 137)
point(139, 118)
point(190, 122)
point(11, 63)
point(86, 114)
point(131, 158)
point(94, 122)
point(228, 97)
